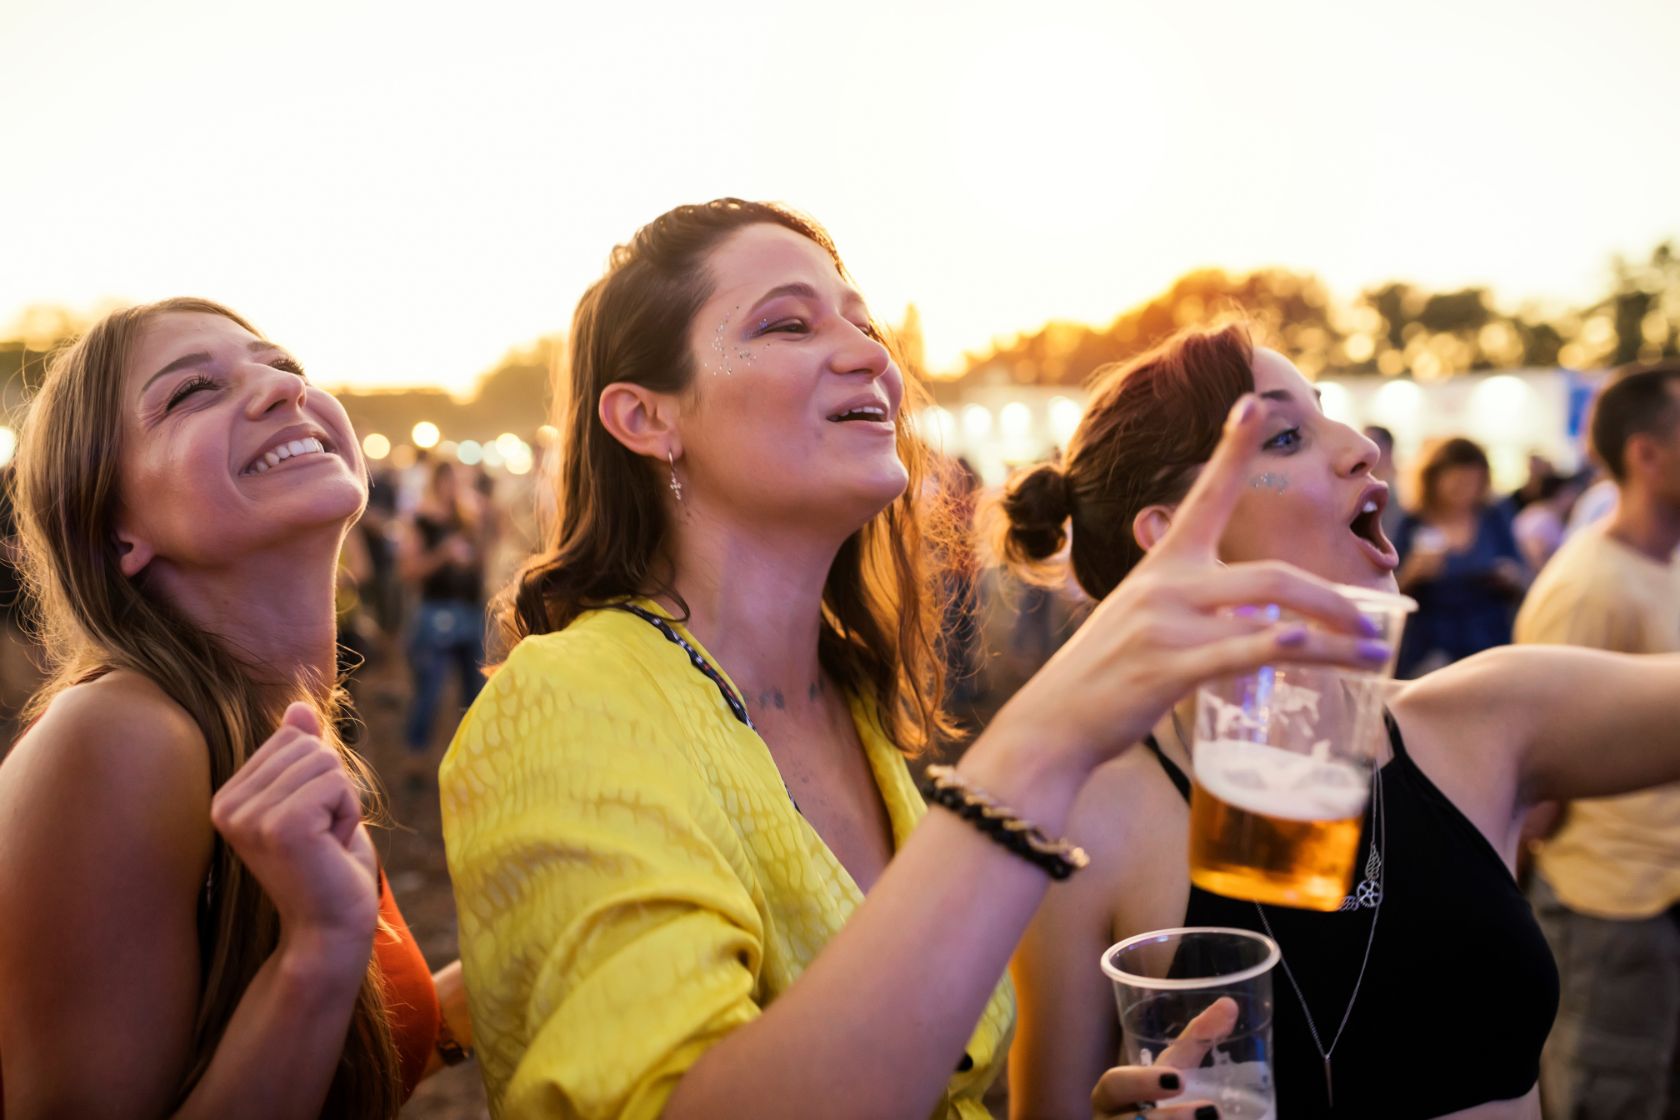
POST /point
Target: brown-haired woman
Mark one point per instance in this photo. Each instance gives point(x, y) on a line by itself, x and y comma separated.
point(1459, 559)
point(1371, 1014)
point(692, 872)
point(195, 922)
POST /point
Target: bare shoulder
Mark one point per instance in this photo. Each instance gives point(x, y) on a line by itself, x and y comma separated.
point(1489, 695)
point(1126, 812)
point(1118, 798)
point(1465, 727)
point(114, 750)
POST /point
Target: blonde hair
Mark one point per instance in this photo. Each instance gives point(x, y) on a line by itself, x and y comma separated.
point(91, 620)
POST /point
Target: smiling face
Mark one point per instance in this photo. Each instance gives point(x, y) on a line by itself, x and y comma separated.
point(791, 416)
point(226, 447)
point(1311, 499)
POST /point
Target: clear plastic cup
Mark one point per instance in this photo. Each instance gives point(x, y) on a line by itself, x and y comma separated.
point(1167, 985)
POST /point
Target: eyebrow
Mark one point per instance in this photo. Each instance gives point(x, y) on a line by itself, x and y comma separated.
point(1286, 397)
point(202, 357)
point(803, 291)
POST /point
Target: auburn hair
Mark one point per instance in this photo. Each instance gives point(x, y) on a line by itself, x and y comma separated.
point(1151, 423)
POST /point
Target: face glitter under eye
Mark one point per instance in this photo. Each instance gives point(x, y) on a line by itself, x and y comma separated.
point(718, 346)
point(1276, 483)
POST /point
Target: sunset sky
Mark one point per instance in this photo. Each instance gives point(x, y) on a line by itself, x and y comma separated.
point(400, 193)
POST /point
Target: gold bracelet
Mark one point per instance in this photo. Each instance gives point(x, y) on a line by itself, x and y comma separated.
point(951, 790)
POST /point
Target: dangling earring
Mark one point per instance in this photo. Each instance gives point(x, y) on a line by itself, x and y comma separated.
point(676, 486)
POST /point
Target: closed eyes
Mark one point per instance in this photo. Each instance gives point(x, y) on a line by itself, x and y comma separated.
point(199, 382)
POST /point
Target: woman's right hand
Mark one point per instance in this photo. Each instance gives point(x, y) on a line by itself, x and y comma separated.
point(293, 816)
point(1176, 621)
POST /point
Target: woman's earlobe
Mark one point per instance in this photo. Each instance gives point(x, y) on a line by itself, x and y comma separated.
point(132, 557)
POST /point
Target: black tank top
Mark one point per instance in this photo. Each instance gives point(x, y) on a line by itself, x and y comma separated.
point(1460, 991)
point(450, 582)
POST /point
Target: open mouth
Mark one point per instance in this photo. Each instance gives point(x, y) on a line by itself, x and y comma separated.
point(295, 449)
point(1367, 526)
point(866, 412)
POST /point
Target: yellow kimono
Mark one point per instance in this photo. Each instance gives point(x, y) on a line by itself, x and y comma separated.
point(632, 879)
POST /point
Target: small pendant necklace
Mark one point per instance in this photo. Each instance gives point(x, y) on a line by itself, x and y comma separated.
point(1367, 895)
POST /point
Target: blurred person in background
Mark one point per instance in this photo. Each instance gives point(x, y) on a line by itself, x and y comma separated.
point(1606, 886)
point(196, 924)
point(442, 556)
point(1458, 559)
point(1596, 503)
point(1388, 472)
point(1540, 525)
point(1540, 481)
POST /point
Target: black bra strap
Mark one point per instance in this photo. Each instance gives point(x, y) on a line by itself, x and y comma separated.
point(1167, 764)
point(1394, 739)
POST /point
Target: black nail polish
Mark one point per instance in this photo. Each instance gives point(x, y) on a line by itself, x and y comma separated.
point(1207, 1112)
point(1170, 1081)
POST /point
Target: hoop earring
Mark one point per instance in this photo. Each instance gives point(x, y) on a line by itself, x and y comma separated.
point(676, 485)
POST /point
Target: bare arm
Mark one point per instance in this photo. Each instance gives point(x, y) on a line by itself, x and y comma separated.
point(1559, 722)
point(105, 816)
point(452, 1004)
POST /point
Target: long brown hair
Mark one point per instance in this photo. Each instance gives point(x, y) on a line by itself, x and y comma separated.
point(92, 620)
point(1150, 425)
point(879, 633)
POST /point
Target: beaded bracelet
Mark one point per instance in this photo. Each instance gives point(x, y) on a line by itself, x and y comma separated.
point(950, 790)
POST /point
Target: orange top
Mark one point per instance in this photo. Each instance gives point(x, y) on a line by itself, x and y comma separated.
point(410, 997)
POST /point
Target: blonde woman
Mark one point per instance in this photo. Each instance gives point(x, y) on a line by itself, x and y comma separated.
point(195, 924)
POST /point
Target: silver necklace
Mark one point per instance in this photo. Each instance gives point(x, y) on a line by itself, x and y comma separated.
point(1367, 895)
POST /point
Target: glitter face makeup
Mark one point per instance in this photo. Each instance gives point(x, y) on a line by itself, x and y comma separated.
point(720, 347)
point(1266, 480)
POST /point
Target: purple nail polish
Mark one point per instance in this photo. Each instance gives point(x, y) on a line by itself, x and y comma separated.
point(1370, 627)
point(1374, 651)
point(1293, 636)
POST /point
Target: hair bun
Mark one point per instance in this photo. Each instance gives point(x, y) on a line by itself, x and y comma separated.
point(1036, 504)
